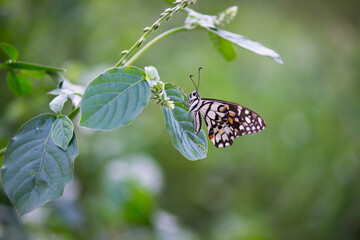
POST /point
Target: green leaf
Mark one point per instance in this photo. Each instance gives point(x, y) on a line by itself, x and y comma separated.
point(33, 74)
point(57, 104)
point(62, 132)
point(181, 128)
point(225, 47)
point(10, 50)
point(35, 170)
point(246, 43)
point(211, 23)
point(114, 98)
point(30, 66)
point(19, 83)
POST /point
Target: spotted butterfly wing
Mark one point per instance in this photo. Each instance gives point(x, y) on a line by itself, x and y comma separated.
point(225, 120)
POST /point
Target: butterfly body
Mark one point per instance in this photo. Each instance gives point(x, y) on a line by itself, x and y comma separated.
point(225, 120)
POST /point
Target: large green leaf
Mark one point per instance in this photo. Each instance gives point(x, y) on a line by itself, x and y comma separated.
point(35, 170)
point(10, 50)
point(114, 98)
point(181, 128)
point(19, 83)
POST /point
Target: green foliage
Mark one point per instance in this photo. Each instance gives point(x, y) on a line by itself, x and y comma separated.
point(33, 73)
point(298, 179)
point(114, 98)
point(62, 132)
point(212, 23)
point(35, 170)
point(38, 162)
point(225, 47)
point(29, 66)
point(10, 50)
point(19, 83)
point(179, 123)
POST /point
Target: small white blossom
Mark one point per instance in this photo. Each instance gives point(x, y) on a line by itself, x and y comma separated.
point(157, 88)
point(152, 76)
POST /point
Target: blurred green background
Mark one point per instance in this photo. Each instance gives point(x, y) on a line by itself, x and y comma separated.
point(298, 179)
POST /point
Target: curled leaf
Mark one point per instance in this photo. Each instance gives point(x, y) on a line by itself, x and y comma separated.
point(57, 104)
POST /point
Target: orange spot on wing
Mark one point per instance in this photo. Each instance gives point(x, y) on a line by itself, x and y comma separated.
point(230, 120)
point(222, 109)
point(211, 136)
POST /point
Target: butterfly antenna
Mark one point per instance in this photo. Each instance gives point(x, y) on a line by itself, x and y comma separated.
point(199, 78)
point(193, 82)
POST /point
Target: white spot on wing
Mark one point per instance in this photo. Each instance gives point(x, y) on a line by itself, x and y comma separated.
point(247, 119)
point(218, 137)
point(211, 114)
point(225, 137)
point(227, 130)
point(260, 121)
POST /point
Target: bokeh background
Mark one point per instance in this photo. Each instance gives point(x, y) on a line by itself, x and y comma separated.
point(298, 179)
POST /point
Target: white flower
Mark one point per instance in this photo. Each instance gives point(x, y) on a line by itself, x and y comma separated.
point(152, 76)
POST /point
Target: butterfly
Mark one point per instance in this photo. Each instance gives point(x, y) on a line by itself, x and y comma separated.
point(225, 121)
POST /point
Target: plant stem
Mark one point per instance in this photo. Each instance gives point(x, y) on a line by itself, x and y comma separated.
point(73, 114)
point(166, 15)
point(152, 42)
point(2, 151)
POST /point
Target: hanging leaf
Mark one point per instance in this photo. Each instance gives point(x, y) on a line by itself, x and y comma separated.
point(19, 83)
point(225, 47)
point(114, 98)
point(181, 128)
point(211, 23)
point(35, 170)
point(246, 43)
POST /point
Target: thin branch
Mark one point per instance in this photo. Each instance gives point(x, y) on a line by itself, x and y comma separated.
point(152, 42)
point(165, 16)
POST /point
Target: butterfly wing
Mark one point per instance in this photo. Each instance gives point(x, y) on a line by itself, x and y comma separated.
point(226, 121)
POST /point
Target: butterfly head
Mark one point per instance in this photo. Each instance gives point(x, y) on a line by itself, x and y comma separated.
point(194, 96)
